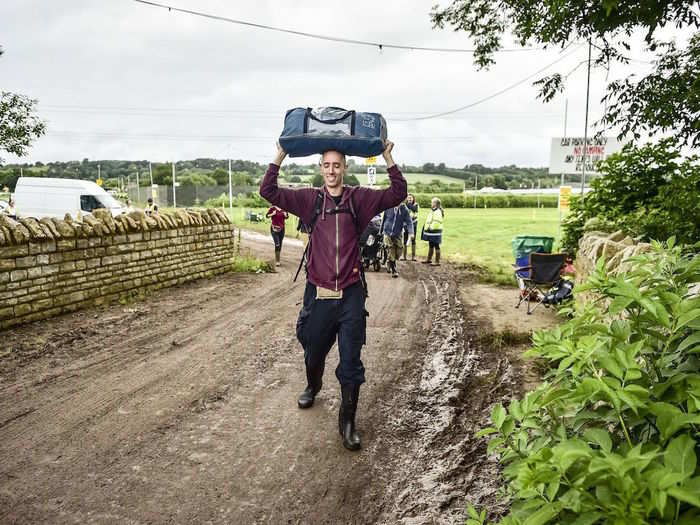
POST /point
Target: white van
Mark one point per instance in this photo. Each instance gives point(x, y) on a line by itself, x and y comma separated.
point(45, 197)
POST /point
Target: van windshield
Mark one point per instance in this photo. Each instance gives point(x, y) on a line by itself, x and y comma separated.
point(92, 202)
point(89, 203)
point(108, 201)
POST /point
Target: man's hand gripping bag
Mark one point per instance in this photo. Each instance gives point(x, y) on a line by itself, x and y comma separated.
point(308, 131)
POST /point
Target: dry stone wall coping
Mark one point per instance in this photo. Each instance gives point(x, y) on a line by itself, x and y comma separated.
point(101, 223)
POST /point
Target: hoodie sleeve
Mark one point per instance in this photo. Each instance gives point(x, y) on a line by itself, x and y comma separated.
point(371, 202)
point(299, 202)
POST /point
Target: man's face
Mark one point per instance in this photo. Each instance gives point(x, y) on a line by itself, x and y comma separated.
point(333, 168)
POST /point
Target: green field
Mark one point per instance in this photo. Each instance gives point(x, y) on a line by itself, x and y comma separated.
point(476, 236)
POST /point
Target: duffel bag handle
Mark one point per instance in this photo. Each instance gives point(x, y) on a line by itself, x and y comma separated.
point(350, 113)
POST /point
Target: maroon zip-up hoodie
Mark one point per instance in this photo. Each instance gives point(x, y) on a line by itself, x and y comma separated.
point(334, 261)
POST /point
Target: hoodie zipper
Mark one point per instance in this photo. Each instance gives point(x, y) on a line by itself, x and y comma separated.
point(337, 242)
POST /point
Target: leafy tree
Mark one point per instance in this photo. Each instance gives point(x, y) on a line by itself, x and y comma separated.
point(163, 173)
point(19, 125)
point(220, 175)
point(648, 192)
point(351, 180)
point(195, 179)
point(668, 99)
point(317, 181)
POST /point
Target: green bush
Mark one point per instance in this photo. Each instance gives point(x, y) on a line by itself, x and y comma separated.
point(252, 200)
point(612, 435)
point(648, 192)
point(465, 200)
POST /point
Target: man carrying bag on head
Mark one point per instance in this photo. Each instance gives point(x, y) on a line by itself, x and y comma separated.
point(334, 298)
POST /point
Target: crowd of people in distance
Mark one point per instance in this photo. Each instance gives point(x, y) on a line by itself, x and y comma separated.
point(399, 227)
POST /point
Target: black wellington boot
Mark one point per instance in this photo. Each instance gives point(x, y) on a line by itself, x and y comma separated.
point(346, 417)
point(314, 379)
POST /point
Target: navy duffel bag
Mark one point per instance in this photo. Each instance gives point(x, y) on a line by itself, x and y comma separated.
point(308, 131)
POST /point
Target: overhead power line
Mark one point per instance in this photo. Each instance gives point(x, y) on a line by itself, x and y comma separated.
point(379, 45)
point(230, 114)
point(493, 95)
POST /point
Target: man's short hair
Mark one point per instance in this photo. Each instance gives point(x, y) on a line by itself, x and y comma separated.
point(320, 160)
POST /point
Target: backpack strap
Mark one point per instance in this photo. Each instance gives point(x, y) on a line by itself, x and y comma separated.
point(355, 220)
point(318, 207)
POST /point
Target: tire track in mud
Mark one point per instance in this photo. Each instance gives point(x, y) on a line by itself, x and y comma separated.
point(445, 466)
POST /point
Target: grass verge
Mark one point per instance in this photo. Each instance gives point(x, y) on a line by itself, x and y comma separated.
point(250, 264)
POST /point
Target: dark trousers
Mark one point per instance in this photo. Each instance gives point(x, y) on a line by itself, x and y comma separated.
point(278, 237)
point(321, 321)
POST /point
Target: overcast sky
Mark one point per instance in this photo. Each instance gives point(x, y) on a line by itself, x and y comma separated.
point(121, 80)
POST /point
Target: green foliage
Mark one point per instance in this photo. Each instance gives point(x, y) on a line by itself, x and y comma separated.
point(250, 264)
point(648, 105)
point(317, 181)
point(19, 125)
point(251, 200)
point(665, 99)
point(462, 200)
point(649, 192)
point(195, 179)
point(613, 433)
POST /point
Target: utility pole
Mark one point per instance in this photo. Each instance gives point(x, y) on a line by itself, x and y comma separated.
point(585, 131)
point(98, 172)
point(566, 114)
point(174, 199)
point(538, 193)
point(150, 172)
point(230, 189)
point(138, 187)
point(476, 178)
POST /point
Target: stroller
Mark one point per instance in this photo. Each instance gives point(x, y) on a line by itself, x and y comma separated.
point(372, 250)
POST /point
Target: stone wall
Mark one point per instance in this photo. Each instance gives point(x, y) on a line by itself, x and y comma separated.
point(615, 248)
point(50, 266)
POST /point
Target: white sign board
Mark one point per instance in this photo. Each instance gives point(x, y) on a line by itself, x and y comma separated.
point(371, 175)
point(566, 155)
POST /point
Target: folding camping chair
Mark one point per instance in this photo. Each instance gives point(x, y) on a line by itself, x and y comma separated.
point(541, 274)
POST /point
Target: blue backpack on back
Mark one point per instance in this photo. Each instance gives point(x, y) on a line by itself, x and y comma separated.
point(308, 131)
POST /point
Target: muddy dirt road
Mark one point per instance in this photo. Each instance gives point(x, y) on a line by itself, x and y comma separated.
point(182, 409)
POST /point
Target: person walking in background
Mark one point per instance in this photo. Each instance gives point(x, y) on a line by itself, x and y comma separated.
point(396, 220)
point(278, 216)
point(432, 231)
point(10, 210)
point(412, 206)
point(150, 208)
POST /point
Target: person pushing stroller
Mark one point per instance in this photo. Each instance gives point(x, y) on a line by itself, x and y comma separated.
point(396, 219)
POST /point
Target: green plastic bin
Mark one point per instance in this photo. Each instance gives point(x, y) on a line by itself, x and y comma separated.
point(524, 245)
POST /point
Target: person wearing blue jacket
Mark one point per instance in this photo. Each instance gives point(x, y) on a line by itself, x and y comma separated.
point(396, 219)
